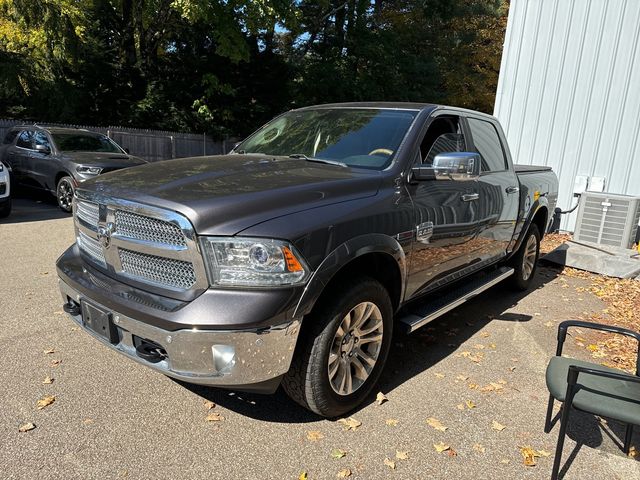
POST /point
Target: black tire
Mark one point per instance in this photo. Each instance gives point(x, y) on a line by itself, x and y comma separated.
point(5, 208)
point(523, 275)
point(307, 381)
point(64, 193)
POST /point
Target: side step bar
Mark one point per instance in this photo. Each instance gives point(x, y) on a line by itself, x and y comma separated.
point(423, 314)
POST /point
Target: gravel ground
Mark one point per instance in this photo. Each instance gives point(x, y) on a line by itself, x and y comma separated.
point(113, 418)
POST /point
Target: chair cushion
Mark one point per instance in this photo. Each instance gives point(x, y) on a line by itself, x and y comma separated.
point(607, 397)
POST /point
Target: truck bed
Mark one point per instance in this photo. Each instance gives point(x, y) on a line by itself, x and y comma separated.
point(522, 169)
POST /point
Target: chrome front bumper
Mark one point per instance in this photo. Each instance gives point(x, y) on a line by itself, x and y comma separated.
point(207, 357)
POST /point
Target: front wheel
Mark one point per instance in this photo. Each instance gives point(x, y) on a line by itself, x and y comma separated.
point(525, 261)
point(342, 349)
point(64, 193)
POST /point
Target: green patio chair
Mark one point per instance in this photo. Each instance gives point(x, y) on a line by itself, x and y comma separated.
point(591, 388)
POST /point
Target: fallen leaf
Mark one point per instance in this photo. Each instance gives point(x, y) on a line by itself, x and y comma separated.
point(462, 378)
point(452, 453)
point(544, 453)
point(505, 461)
point(87, 421)
point(55, 363)
point(337, 453)
point(303, 476)
point(47, 380)
point(479, 346)
point(439, 375)
point(381, 398)
point(214, 417)
point(470, 404)
point(441, 447)
point(633, 453)
point(529, 455)
point(548, 324)
point(460, 406)
point(45, 401)
point(402, 455)
point(25, 427)
point(49, 351)
point(393, 422)
point(479, 448)
point(314, 435)
point(492, 346)
point(592, 348)
point(390, 463)
point(484, 334)
point(435, 423)
point(473, 386)
point(209, 405)
point(511, 369)
point(344, 473)
point(350, 423)
point(497, 426)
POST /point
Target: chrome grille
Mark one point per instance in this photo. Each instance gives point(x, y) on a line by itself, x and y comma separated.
point(92, 248)
point(150, 229)
point(163, 271)
point(88, 212)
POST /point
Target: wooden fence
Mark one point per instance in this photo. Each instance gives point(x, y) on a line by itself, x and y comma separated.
point(151, 145)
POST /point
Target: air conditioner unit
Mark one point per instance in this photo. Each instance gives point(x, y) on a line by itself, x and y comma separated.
point(607, 219)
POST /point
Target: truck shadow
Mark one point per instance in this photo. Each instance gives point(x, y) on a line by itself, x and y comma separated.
point(410, 356)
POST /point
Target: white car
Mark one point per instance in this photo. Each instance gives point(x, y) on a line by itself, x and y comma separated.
point(5, 191)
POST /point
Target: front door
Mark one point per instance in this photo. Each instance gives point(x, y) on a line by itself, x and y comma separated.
point(445, 212)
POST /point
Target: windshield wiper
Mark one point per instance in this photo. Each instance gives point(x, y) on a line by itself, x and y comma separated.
point(318, 160)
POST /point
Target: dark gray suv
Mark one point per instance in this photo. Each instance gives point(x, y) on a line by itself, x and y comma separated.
point(57, 159)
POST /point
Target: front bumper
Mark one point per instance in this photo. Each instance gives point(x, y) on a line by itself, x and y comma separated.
point(252, 359)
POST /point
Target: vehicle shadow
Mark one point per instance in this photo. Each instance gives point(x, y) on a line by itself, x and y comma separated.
point(32, 206)
point(419, 352)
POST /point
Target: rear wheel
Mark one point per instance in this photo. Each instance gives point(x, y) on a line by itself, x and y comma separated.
point(64, 193)
point(342, 349)
point(525, 261)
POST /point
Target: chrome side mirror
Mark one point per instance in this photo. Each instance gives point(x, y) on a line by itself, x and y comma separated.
point(43, 149)
point(450, 166)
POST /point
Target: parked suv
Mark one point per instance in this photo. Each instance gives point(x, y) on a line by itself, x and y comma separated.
point(58, 159)
point(5, 191)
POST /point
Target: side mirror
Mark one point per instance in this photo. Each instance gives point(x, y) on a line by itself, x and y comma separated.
point(127, 151)
point(43, 149)
point(450, 166)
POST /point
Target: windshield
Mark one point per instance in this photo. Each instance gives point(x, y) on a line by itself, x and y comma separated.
point(85, 142)
point(357, 137)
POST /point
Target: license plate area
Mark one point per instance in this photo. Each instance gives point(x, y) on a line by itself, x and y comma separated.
point(99, 321)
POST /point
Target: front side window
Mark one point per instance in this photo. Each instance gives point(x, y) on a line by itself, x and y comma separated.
point(443, 135)
point(25, 139)
point(487, 144)
point(40, 138)
point(357, 137)
point(85, 142)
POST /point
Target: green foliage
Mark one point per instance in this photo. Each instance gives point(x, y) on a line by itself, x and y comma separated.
point(227, 66)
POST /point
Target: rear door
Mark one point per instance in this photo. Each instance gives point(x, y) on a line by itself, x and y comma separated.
point(498, 189)
point(43, 165)
point(445, 211)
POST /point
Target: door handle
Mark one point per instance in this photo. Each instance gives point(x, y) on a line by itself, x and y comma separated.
point(512, 189)
point(469, 197)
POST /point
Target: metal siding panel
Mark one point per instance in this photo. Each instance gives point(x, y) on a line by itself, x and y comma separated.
point(567, 93)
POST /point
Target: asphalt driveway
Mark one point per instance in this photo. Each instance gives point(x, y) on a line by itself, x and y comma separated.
point(476, 370)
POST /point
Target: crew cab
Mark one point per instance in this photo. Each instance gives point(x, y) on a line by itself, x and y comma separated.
point(291, 260)
point(57, 159)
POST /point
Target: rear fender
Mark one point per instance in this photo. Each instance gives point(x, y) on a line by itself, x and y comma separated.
point(541, 202)
point(342, 256)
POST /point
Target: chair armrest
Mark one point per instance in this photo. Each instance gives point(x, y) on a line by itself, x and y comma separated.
point(564, 326)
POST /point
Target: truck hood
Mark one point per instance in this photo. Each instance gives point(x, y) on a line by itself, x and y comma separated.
point(223, 195)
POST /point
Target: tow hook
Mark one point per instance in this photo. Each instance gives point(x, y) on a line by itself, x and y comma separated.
point(72, 308)
point(151, 352)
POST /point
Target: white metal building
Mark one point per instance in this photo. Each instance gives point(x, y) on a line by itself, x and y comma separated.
point(569, 91)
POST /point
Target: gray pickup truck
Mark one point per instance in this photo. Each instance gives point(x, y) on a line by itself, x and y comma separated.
point(291, 260)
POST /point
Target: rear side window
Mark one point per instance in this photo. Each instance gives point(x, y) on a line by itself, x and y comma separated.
point(25, 139)
point(10, 136)
point(487, 144)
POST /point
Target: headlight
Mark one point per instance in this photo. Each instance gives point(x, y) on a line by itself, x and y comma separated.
point(252, 262)
point(88, 170)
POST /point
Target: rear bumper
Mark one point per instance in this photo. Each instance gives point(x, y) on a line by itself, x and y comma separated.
point(251, 359)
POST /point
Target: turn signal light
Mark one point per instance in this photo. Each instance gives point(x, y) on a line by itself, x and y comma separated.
point(293, 265)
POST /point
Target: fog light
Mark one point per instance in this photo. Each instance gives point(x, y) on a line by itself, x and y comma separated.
point(224, 358)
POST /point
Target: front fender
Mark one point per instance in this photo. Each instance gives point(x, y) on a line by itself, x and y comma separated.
point(342, 256)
